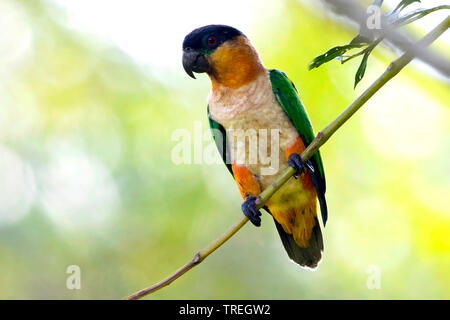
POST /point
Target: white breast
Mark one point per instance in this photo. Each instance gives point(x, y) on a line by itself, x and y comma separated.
point(252, 112)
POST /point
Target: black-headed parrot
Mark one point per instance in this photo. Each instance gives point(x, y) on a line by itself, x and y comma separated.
point(251, 103)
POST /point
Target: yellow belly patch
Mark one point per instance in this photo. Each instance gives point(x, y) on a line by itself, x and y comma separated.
point(295, 208)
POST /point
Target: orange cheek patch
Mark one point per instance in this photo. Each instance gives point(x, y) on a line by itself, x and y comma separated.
point(247, 183)
point(234, 64)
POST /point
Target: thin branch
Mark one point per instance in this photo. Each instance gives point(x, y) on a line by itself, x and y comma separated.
point(393, 69)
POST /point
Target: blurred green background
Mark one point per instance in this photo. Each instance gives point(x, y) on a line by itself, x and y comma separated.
point(90, 94)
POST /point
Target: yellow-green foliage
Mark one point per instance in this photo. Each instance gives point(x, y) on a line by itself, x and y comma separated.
point(86, 176)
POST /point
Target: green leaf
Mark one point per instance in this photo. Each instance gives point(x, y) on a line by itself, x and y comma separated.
point(362, 68)
point(327, 56)
point(403, 4)
point(360, 40)
point(416, 15)
point(332, 54)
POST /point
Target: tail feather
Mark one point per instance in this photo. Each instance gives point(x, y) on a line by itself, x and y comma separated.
point(305, 257)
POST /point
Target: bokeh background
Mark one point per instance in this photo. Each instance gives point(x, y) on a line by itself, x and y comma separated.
point(90, 94)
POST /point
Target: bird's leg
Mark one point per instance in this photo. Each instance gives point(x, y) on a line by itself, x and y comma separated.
point(250, 211)
point(296, 162)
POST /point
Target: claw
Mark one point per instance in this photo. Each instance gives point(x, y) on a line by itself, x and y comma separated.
point(250, 211)
point(296, 162)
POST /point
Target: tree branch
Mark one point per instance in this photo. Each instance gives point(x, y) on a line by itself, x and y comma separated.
point(355, 12)
point(393, 69)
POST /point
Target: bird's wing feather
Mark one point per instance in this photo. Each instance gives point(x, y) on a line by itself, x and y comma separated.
point(220, 138)
point(287, 96)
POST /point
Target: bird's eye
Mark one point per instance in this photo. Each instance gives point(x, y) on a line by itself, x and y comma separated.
point(211, 41)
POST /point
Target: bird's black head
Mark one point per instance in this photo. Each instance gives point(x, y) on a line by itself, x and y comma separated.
point(201, 43)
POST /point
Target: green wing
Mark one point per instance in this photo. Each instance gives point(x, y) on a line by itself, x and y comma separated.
point(287, 96)
point(220, 138)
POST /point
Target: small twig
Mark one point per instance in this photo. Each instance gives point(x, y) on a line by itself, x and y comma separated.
point(393, 69)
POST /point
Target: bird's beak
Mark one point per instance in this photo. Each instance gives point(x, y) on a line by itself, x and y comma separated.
point(194, 62)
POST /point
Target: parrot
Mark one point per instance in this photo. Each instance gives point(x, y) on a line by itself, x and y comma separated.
point(247, 97)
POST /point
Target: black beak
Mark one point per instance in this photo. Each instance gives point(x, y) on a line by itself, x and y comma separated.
point(194, 62)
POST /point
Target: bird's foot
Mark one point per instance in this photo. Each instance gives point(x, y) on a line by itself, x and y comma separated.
point(296, 162)
point(250, 211)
